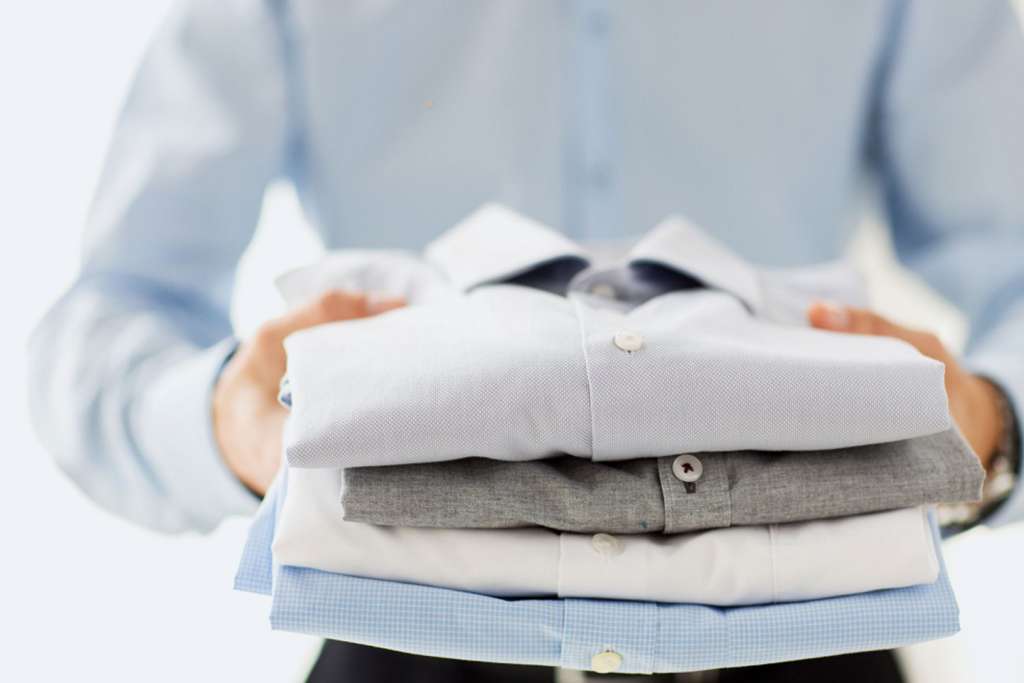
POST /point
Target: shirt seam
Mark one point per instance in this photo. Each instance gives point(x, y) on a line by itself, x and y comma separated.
point(728, 484)
point(651, 653)
point(663, 486)
point(772, 539)
point(927, 539)
point(586, 366)
point(563, 663)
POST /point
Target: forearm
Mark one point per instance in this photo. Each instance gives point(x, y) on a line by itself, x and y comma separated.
point(122, 380)
point(124, 365)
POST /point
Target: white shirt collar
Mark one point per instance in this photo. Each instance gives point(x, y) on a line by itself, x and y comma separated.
point(681, 246)
point(494, 244)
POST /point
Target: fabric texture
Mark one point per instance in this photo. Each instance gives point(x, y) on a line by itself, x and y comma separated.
point(648, 636)
point(692, 356)
point(733, 566)
point(646, 495)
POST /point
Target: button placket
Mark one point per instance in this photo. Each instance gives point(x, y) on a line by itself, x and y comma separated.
point(588, 633)
point(684, 510)
point(591, 103)
point(618, 379)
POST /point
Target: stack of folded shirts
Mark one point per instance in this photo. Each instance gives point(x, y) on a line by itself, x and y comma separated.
point(645, 465)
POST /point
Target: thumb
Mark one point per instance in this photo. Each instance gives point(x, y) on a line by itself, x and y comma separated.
point(266, 347)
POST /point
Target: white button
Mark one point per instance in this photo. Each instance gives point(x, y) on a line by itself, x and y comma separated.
point(628, 340)
point(687, 468)
point(605, 290)
point(606, 544)
point(606, 662)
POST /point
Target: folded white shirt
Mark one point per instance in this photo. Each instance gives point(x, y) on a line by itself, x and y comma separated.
point(516, 350)
point(732, 566)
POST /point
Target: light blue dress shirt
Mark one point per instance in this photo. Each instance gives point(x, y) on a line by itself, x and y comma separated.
point(761, 120)
point(649, 637)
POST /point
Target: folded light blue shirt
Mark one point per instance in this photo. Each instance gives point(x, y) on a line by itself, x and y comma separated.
point(760, 120)
point(649, 637)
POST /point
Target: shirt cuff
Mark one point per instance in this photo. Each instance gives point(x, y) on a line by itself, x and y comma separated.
point(174, 426)
point(1008, 374)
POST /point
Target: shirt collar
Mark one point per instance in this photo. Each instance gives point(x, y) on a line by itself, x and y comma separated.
point(679, 245)
point(495, 244)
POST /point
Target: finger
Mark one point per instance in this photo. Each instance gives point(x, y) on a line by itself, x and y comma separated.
point(828, 315)
point(376, 304)
point(837, 317)
point(332, 306)
point(338, 305)
point(268, 341)
point(329, 307)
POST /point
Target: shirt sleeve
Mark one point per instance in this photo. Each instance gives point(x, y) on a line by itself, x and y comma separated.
point(123, 365)
point(950, 132)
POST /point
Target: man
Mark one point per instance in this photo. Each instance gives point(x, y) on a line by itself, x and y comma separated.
point(761, 121)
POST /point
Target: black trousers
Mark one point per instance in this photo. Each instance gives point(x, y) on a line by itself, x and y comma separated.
point(348, 663)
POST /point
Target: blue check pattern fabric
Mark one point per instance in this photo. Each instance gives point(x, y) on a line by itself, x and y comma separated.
point(650, 637)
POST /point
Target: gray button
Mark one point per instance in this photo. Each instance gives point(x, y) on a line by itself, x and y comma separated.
point(687, 468)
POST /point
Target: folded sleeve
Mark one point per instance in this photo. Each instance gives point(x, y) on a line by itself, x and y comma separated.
point(124, 364)
point(950, 139)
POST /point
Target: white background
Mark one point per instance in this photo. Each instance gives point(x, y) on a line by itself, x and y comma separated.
point(87, 596)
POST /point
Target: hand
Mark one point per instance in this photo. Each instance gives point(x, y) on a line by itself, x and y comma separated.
point(248, 421)
point(972, 400)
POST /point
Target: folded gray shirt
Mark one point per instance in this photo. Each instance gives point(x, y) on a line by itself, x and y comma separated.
point(671, 494)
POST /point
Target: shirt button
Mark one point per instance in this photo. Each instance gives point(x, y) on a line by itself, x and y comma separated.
point(628, 340)
point(598, 23)
point(604, 290)
point(606, 544)
point(606, 662)
point(600, 177)
point(687, 468)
